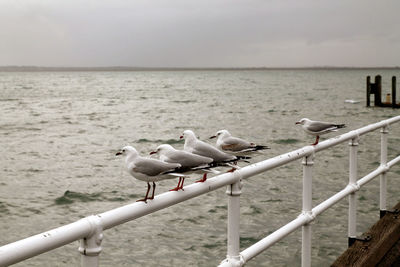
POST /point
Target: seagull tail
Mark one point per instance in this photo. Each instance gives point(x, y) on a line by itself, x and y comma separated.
point(340, 125)
point(261, 148)
point(242, 157)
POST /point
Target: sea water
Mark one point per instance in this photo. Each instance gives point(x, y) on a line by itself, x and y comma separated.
point(60, 132)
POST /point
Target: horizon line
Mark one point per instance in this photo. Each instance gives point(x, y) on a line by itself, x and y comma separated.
point(133, 68)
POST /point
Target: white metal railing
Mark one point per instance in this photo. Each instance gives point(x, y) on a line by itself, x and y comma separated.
point(89, 230)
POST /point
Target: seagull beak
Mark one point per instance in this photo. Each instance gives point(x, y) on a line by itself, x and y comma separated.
point(211, 137)
point(118, 153)
point(297, 122)
point(153, 152)
point(181, 137)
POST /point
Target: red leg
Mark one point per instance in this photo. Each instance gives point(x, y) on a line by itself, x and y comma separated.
point(183, 180)
point(147, 193)
point(203, 179)
point(154, 189)
point(316, 141)
point(179, 186)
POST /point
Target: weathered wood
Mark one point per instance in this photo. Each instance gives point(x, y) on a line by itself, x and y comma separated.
point(368, 91)
point(394, 92)
point(392, 258)
point(384, 234)
point(378, 91)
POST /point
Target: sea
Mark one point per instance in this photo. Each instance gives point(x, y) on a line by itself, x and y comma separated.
point(60, 131)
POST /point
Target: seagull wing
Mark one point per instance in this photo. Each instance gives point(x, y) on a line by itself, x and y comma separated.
point(208, 150)
point(187, 159)
point(319, 126)
point(153, 167)
point(235, 144)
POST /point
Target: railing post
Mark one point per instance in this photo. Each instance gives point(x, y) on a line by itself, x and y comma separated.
point(233, 247)
point(383, 181)
point(90, 247)
point(307, 207)
point(352, 227)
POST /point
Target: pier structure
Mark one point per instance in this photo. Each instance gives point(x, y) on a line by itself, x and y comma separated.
point(375, 88)
point(90, 230)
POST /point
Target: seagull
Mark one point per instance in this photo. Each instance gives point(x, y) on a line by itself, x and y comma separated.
point(227, 143)
point(148, 170)
point(318, 127)
point(188, 161)
point(198, 147)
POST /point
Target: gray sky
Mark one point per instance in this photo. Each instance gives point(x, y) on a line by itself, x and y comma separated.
point(202, 33)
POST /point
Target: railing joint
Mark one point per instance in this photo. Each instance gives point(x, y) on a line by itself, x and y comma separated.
point(233, 262)
point(235, 189)
point(308, 216)
point(91, 245)
point(354, 141)
point(385, 128)
point(354, 187)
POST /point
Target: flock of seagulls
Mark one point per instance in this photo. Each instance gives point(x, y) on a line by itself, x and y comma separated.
point(198, 156)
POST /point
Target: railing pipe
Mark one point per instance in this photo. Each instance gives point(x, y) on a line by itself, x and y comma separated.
point(40, 243)
point(233, 243)
point(307, 206)
point(352, 220)
point(271, 239)
point(383, 180)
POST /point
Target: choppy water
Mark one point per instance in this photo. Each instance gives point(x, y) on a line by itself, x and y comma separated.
point(60, 130)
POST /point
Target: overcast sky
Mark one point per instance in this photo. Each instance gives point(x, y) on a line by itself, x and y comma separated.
point(202, 33)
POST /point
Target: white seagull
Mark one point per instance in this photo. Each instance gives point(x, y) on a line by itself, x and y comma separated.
point(148, 170)
point(227, 143)
point(198, 147)
point(318, 128)
point(188, 161)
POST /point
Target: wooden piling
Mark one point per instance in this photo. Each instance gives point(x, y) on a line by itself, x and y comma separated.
point(394, 104)
point(378, 90)
point(382, 247)
point(368, 90)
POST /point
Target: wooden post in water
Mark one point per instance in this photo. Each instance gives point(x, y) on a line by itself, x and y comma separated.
point(394, 92)
point(378, 90)
point(368, 90)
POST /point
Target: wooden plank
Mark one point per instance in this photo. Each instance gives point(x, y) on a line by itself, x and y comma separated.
point(384, 234)
point(392, 258)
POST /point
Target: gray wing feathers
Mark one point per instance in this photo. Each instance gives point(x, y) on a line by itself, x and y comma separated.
point(207, 150)
point(318, 126)
point(153, 167)
point(188, 159)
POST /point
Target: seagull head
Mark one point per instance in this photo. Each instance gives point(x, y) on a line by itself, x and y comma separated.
point(127, 151)
point(188, 134)
point(161, 149)
point(222, 133)
point(302, 121)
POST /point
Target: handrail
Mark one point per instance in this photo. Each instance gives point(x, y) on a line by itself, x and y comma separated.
point(89, 229)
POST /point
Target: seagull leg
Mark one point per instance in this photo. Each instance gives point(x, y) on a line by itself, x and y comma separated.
point(179, 186)
point(233, 168)
point(154, 189)
point(316, 141)
point(203, 179)
point(147, 193)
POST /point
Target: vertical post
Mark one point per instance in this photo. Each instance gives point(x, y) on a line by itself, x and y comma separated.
point(307, 207)
point(352, 227)
point(233, 247)
point(394, 104)
point(383, 181)
point(368, 90)
point(90, 247)
point(378, 91)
